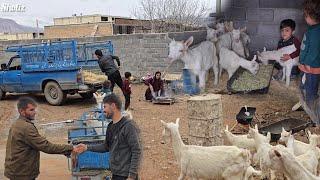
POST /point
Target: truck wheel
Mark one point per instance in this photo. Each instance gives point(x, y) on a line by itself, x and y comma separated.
point(2, 94)
point(54, 94)
point(87, 95)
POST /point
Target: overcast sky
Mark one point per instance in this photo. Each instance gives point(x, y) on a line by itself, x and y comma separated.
point(46, 10)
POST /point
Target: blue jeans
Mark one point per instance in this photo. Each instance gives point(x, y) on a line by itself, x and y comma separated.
point(311, 87)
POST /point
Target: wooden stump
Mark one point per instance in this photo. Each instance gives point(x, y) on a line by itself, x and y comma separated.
point(205, 120)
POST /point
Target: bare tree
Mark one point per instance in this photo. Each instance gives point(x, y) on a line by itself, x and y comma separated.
point(171, 15)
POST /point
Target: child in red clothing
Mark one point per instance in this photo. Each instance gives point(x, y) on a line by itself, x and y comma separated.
point(127, 89)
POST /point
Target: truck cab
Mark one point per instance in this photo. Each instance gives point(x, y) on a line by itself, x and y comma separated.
point(52, 68)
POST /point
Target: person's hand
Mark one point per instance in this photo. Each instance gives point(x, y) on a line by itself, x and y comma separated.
point(285, 57)
point(308, 68)
point(80, 148)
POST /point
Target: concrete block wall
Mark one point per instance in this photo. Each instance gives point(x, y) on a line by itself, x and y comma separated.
point(262, 19)
point(139, 53)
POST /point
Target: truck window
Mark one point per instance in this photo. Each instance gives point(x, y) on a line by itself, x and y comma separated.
point(15, 64)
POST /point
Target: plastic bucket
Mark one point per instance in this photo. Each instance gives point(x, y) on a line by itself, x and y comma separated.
point(190, 82)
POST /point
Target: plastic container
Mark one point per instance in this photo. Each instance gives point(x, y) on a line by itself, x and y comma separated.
point(294, 125)
point(237, 74)
point(242, 118)
point(93, 160)
point(190, 82)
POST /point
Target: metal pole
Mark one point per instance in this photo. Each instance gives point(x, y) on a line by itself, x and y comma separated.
point(218, 7)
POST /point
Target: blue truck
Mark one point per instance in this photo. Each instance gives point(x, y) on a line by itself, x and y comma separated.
point(52, 68)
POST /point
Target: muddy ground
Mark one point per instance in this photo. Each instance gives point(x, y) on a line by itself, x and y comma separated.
point(158, 160)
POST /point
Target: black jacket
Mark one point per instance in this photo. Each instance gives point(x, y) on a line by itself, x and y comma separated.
point(107, 65)
point(123, 143)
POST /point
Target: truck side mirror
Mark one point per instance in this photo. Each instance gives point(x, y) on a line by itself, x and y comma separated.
point(3, 66)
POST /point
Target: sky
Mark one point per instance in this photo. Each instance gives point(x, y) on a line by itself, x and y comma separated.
point(44, 10)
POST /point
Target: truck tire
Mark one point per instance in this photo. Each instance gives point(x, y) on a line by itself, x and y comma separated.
point(54, 94)
point(87, 95)
point(2, 94)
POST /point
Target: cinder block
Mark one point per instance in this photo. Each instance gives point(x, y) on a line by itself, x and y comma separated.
point(281, 4)
point(252, 27)
point(246, 3)
point(238, 14)
point(260, 41)
point(269, 30)
point(295, 14)
point(260, 15)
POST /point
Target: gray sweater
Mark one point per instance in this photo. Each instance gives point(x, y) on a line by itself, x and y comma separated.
point(107, 65)
point(123, 143)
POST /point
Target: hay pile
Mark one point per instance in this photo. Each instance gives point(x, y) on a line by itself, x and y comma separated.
point(90, 77)
point(248, 82)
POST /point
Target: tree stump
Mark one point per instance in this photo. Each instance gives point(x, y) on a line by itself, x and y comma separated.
point(205, 120)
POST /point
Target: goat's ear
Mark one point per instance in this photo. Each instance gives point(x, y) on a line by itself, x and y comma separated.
point(163, 123)
point(177, 121)
point(283, 130)
point(254, 58)
point(269, 136)
point(172, 40)
point(258, 53)
point(95, 95)
point(227, 128)
point(264, 49)
point(256, 127)
point(309, 133)
point(277, 153)
point(290, 132)
point(189, 41)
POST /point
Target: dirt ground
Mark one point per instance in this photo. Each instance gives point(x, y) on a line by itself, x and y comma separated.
point(158, 159)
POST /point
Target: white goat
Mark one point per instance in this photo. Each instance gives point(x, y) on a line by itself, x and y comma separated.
point(212, 35)
point(299, 147)
point(214, 162)
point(262, 156)
point(228, 26)
point(99, 99)
point(245, 39)
point(241, 141)
point(199, 59)
point(276, 55)
point(237, 46)
point(310, 158)
point(231, 40)
point(230, 61)
point(220, 27)
point(289, 165)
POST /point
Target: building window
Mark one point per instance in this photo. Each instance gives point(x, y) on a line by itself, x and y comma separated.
point(104, 18)
point(120, 30)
